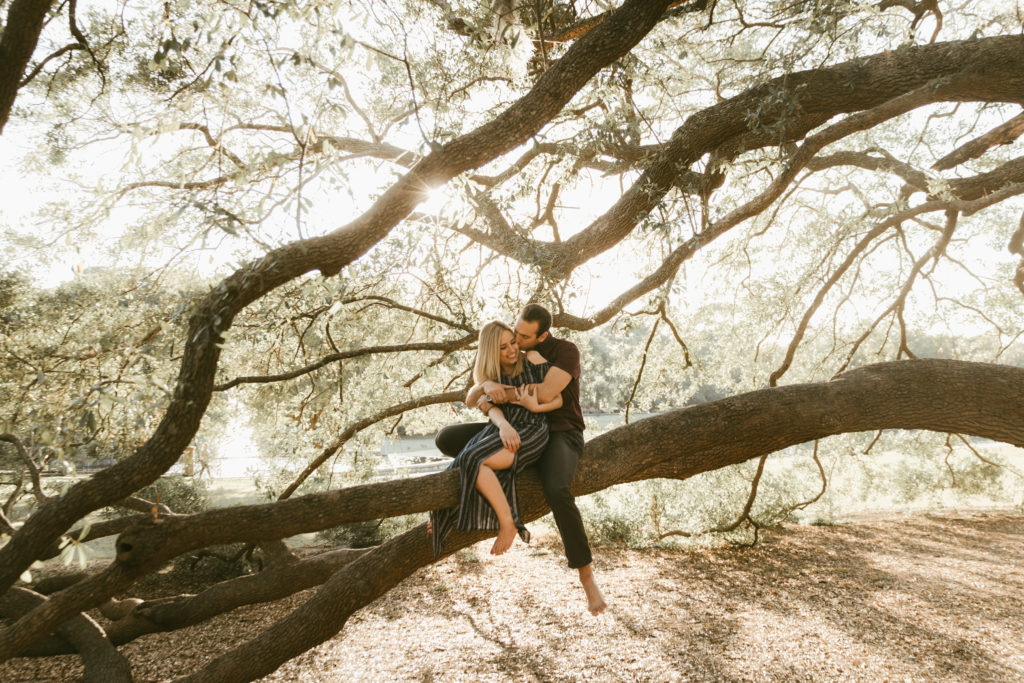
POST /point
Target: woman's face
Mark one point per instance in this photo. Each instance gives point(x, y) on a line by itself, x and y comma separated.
point(508, 350)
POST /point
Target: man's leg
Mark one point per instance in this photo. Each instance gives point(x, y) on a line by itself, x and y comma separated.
point(557, 468)
point(452, 439)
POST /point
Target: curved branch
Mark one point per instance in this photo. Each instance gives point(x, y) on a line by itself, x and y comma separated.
point(354, 353)
point(101, 660)
point(914, 178)
point(50, 57)
point(391, 303)
point(279, 581)
point(878, 87)
point(33, 469)
point(1003, 134)
point(643, 364)
point(917, 394)
point(352, 430)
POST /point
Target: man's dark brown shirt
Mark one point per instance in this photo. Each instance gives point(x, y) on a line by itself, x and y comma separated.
point(564, 355)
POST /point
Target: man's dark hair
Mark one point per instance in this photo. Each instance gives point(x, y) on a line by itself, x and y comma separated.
point(535, 313)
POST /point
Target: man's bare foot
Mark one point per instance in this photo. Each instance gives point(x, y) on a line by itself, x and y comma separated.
point(430, 527)
point(595, 600)
point(506, 536)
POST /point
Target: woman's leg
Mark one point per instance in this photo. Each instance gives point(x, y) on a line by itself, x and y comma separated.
point(488, 485)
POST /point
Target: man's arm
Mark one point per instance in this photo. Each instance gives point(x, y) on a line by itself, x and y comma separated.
point(481, 395)
point(474, 395)
point(554, 382)
point(496, 392)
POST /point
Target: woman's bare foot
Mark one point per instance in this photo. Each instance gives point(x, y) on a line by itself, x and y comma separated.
point(506, 536)
point(595, 600)
point(430, 527)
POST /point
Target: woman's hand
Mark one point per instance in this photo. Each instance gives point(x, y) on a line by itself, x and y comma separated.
point(509, 437)
point(526, 396)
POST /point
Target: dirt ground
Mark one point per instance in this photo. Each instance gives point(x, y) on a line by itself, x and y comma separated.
point(933, 597)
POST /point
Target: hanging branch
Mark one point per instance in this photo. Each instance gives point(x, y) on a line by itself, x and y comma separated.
point(744, 515)
point(446, 347)
point(33, 469)
point(896, 307)
point(352, 430)
point(643, 363)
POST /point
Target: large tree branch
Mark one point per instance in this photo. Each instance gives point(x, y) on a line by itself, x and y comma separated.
point(941, 395)
point(101, 660)
point(17, 43)
point(984, 70)
point(181, 611)
point(987, 400)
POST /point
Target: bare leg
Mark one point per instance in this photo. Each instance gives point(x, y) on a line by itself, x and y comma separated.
point(488, 485)
point(595, 601)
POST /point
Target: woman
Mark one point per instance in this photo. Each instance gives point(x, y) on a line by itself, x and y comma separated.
point(514, 439)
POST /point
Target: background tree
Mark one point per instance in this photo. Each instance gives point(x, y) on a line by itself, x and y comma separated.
point(777, 194)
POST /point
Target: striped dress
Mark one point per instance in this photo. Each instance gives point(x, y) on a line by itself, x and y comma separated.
point(473, 511)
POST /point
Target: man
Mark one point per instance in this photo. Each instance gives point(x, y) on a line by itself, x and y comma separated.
point(558, 464)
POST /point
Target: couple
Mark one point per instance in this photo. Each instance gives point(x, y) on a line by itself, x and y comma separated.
point(527, 383)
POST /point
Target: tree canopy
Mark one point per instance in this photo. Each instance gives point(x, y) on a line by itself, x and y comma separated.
point(805, 215)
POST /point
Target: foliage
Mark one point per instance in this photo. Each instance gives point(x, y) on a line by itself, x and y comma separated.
point(368, 534)
point(184, 495)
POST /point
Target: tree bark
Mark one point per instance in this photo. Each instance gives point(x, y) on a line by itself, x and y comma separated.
point(102, 662)
point(17, 43)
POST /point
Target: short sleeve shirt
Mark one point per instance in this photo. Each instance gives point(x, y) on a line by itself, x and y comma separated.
point(564, 355)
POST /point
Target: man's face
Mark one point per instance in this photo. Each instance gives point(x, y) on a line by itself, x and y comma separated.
point(526, 334)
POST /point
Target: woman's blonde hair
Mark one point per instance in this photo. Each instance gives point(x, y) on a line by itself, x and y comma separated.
point(488, 362)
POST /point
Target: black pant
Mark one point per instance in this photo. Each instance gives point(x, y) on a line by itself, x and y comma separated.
point(557, 468)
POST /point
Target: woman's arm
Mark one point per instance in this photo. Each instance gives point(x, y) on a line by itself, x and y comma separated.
point(527, 398)
point(509, 435)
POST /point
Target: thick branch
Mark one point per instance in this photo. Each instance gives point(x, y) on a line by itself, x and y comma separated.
point(1003, 134)
point(17, 43)
point(274, 583)
point(924, 394)
point(979, 399)
point(101, 660)
point(985, 70)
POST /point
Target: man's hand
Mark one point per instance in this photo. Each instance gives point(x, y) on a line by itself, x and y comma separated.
point(509, 437)
point(498, 393)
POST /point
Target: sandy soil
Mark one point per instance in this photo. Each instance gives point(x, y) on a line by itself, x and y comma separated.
point(936, 597)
